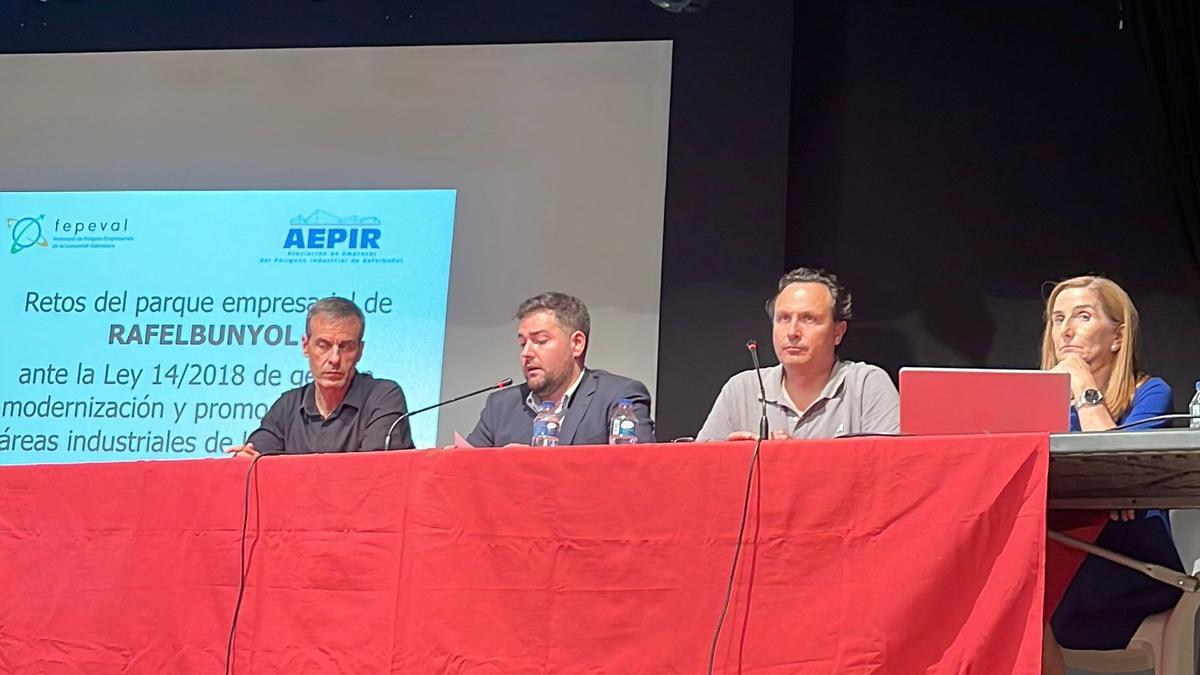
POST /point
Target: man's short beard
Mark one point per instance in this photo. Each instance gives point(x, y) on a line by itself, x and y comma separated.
point(549, 384)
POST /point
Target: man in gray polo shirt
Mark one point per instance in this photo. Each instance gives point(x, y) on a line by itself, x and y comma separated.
point(811, 393)
point(342, 409)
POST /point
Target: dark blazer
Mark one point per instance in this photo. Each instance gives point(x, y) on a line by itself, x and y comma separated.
point(507, 419)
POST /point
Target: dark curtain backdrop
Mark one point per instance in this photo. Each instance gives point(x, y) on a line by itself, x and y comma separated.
point(1168, 33)
point(947, 158)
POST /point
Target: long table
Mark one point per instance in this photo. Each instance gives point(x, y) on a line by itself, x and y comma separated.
point(869, 555)
point(1146, 469)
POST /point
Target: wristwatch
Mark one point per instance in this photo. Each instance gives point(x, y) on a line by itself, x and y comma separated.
point(1089, 397)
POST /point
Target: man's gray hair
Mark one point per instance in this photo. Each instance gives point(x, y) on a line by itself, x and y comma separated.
point(842, 302)
point(569, 311)
point(335, 308)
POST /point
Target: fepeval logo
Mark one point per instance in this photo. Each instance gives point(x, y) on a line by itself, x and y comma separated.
point(26, 232)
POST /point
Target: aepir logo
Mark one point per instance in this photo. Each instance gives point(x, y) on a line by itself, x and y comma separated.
point(324, 230)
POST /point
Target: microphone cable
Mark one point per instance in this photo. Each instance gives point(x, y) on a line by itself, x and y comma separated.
point(737, 550)
point(1148, 420)
point(237, 607)
point(752, 346)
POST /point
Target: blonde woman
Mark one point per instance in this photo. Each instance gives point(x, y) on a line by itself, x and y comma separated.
point(1091, 333)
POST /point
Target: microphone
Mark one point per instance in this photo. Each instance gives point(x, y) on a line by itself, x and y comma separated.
point(387, 440)
point(762, 390)
point(1148, 420)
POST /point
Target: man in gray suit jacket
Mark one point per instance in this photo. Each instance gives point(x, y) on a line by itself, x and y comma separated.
point(553, 335)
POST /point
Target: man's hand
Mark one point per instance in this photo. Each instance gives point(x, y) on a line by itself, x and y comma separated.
point(1124, 515)
point(751, 436)
point(246, 451)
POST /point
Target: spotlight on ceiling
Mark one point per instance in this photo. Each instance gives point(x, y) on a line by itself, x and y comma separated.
point(681, 6)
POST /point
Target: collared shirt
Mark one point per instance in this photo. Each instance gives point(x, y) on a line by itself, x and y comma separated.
point(508, 418)
point(565, 402)
point(361, 421)
point(858, 398)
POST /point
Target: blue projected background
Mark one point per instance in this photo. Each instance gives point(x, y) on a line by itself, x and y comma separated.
point(154, 325)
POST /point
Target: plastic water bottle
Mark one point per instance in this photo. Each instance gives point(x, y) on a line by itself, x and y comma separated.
point(545, 426)
point(1194, 409)
point(622, 428)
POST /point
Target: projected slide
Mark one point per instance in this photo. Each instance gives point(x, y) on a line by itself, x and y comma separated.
point(159, 325)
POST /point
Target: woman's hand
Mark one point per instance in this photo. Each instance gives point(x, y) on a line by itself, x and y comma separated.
point(1080, 372)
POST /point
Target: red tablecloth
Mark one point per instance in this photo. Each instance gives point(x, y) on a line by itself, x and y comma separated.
point(862, 556)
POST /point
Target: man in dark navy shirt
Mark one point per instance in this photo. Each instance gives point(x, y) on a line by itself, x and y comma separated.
point(341, 410)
